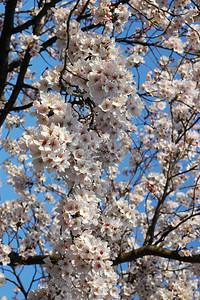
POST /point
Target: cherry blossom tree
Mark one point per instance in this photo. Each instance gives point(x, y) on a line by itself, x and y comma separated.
point(100, 140)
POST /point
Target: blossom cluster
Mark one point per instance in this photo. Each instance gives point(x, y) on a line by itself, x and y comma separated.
point(113, 17)
point(62, 143)
point(87, 255)
point(95, 66)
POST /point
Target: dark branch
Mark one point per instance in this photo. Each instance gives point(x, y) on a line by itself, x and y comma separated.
point(48, 43)
point(24, 64)
point(5, 41)
point(150, 232)
point(170, 228)
point(131, 41)
point(19, 84)
point(155, 251)
point(16, 259)
point(18, 108)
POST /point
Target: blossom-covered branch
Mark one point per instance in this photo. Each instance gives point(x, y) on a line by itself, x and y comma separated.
point(150, 250)
point(100, 147)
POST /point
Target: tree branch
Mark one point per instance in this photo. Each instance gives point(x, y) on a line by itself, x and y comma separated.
point(16, 259)
point(19, 282)
point(18, 108)
point(24, 64)
point(19, 84)
point(172, 228)
point(5, 41)
point(155, 251)
point(150, 232)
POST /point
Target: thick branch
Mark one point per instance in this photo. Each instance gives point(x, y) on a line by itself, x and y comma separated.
point(155, 251)
point(16, 259)
point(5, 41)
